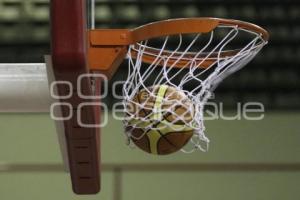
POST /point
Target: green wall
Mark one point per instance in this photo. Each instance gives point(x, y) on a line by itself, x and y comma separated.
point(31, 165)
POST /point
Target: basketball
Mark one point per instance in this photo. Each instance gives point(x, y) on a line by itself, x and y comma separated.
point(157, 118)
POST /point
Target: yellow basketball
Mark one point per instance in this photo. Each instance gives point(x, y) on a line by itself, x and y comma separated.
point(157, 118)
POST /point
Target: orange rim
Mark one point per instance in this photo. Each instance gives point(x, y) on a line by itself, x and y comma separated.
point(112, 38)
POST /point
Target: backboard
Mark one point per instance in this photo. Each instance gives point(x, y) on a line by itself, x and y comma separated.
point(69, 61)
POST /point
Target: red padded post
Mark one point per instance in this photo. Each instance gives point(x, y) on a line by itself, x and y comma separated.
point(69, 59)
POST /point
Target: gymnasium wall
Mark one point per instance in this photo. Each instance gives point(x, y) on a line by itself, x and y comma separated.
point(246, 160)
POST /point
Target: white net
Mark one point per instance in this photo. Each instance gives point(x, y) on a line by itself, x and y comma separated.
point(187, 68)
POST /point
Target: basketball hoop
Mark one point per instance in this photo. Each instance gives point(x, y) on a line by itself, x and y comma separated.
point(205, 53)
point(203, 56)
